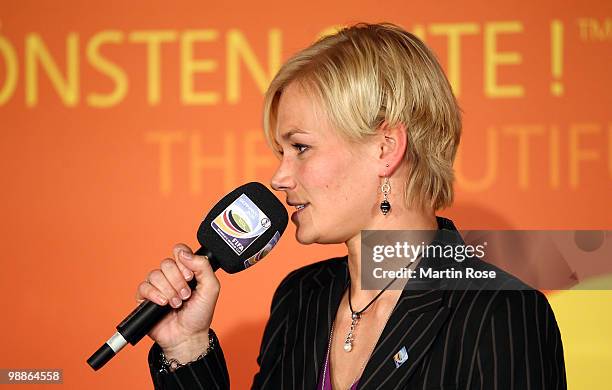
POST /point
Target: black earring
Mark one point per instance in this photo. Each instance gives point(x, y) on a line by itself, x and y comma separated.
point(385, 188)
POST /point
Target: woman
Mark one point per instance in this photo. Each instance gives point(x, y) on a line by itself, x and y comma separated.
point(366, 129)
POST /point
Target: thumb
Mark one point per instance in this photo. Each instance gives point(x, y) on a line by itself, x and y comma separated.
point(199, 265)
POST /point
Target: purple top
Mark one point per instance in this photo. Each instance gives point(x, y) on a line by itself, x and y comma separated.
point(327, 384)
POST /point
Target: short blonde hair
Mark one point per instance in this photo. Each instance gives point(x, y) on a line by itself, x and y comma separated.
point(367, 74)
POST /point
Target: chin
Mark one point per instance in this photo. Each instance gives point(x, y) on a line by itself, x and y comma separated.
point(304, 238)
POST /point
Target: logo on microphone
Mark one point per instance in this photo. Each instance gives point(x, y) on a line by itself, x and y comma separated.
point(240, 224)
point(263, 252)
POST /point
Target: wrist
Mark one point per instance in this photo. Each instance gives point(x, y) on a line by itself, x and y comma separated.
point(190, 349)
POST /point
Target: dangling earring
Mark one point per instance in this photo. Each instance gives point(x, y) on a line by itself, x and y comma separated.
point(385, 206)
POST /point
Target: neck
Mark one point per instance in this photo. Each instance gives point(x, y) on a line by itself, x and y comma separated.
point(397, 219)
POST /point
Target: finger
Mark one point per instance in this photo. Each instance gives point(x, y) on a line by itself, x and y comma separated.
point(147, 291)
point(175, 277)
point(201, 268)
point(201, 265)
point(187, 273)
point(158, 280)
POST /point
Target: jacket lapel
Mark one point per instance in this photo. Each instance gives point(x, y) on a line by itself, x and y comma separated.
point(405, 340)
point(326, 294)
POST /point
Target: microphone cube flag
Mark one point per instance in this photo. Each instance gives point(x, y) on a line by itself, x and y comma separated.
point(243, 227)
point(240, 224)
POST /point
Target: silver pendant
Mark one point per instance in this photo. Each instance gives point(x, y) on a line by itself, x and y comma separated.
point(350, 336)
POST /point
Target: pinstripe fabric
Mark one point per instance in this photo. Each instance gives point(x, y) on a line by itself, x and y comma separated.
point(455, 338)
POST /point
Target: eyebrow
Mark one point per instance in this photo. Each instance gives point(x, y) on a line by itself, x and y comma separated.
point(293, 131)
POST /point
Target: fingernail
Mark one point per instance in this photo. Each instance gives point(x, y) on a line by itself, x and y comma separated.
point(185, 293)
point(162, 300)
point(188, 274)
point(186, 255)
point(176, 302)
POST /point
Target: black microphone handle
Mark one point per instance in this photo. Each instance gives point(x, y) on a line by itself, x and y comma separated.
point(140, 322)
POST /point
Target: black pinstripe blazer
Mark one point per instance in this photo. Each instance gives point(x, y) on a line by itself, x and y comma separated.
point(455, 338)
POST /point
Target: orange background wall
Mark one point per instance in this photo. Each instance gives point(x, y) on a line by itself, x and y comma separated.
point(122, 122)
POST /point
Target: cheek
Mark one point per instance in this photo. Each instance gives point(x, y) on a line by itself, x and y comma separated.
point(320, 175)
point(357, 190)
point(335, 182)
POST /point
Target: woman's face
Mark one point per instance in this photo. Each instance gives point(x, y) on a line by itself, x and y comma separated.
point(330, 181)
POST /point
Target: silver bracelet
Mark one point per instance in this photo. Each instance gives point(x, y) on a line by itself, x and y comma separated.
point(171, 365)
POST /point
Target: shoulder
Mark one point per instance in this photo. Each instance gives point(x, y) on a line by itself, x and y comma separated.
point(518, 311)
point(526, 303)
point(503, 296)
point(517, 295)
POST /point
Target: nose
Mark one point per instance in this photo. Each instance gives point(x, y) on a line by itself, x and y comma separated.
point(283, 179)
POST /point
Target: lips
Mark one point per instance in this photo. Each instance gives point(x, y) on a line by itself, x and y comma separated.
point(299, 207)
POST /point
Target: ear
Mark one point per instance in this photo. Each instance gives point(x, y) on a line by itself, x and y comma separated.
point(391, 147)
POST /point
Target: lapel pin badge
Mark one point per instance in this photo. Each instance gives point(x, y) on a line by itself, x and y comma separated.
point(400, 357)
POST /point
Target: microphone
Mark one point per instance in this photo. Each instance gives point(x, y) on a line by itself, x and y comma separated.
point(240, 230)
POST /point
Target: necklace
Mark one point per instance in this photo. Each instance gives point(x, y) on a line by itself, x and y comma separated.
point(328, 357)
point(356, 315)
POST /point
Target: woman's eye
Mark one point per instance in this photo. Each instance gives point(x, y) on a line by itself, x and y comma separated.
point(301, 148)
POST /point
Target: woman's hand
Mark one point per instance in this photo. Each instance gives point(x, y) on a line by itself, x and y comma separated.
point(183, 333)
